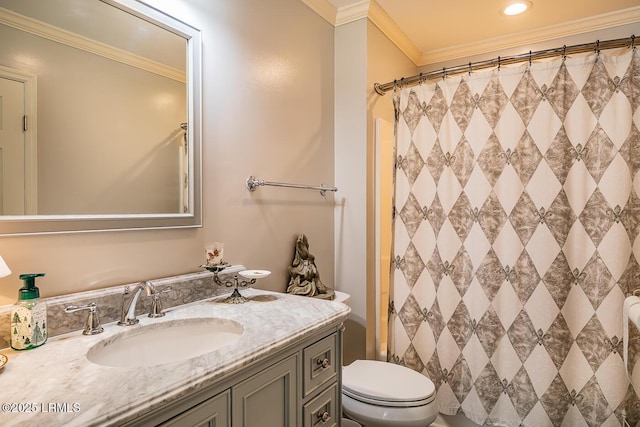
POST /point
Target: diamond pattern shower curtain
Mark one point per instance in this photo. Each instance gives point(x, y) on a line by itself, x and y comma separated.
point(516, 239)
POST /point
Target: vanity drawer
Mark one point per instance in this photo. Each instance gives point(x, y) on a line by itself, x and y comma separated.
point(319, 363)
point(323, 410)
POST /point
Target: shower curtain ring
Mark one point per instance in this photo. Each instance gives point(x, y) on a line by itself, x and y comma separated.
point(598, 47)
point(499, 63)
point(420, 79)
point(530, 58)
point(633, 41)
point(469, 67)
point(444, 73)
point(564, 52)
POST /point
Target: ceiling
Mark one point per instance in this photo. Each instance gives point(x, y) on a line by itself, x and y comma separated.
point(430, 31)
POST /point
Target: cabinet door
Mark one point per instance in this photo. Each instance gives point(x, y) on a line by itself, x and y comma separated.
point(269, 398)
point(210, 413)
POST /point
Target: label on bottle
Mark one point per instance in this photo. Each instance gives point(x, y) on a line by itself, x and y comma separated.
point(28, 326)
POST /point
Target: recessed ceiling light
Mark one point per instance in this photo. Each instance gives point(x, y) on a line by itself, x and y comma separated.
point(517, 7)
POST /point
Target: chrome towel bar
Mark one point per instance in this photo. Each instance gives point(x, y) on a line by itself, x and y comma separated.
point(253, 182)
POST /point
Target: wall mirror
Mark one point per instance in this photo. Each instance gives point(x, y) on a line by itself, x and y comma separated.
point(100, 117)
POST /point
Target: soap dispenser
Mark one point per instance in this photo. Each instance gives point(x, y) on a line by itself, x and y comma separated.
point(28, 316)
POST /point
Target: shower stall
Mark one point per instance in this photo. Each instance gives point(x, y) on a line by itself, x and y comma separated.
point(515, 235)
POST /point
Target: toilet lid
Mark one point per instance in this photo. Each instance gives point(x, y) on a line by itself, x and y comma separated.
point(386, 384)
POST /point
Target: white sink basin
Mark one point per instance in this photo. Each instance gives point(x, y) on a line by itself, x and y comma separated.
point(165, 342)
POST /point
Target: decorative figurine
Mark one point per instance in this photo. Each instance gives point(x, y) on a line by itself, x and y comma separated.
point(303, 273)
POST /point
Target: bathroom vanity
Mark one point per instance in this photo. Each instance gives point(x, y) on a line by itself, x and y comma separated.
point(278, 365)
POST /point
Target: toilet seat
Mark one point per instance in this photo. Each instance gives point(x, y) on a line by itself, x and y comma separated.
point(386, 384)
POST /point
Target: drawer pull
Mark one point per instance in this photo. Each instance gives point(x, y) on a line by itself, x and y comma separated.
point(324, 417)
point(324, 362)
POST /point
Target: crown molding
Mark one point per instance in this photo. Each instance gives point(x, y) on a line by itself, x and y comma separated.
point(389, 28)
point(323, 8)
point(353, 12)
point(570, 28)
point(41, 29)
point(371, 10)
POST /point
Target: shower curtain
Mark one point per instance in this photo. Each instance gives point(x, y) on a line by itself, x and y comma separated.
point(516, 239)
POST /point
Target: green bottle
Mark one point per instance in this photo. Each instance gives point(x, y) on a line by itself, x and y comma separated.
point(28, 316)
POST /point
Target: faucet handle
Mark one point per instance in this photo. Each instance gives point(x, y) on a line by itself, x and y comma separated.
point(156, 302)
point(92, 326)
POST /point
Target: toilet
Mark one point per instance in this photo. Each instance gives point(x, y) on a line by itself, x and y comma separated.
point(383, 394)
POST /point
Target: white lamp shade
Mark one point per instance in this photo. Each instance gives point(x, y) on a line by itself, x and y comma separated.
point(4, 268)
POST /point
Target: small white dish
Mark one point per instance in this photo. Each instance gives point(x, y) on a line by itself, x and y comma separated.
point(254, 274)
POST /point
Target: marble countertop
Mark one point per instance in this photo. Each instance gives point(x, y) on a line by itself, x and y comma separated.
point(87, 394)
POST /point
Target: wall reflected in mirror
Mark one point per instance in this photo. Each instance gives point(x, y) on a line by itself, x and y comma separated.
point(105, 98)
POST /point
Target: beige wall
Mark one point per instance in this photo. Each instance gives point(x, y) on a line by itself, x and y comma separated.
point(351, 177)
point(267, 111)
point(385, 62)
point(363, 56)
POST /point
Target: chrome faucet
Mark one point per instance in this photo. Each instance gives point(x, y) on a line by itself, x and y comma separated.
point(92, 325)
point(129, 301)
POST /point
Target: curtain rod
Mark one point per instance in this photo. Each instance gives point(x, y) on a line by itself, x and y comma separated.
point(597, 46)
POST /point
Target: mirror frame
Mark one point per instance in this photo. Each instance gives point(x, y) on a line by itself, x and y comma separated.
point(16, 225)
